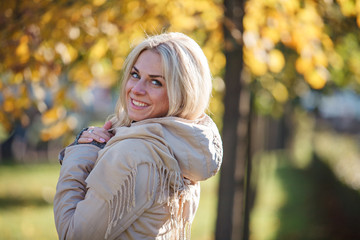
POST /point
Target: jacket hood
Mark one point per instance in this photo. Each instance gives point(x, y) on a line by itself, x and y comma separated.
point(195, 144)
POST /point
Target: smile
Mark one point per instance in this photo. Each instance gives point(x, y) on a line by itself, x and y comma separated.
point(138, 104)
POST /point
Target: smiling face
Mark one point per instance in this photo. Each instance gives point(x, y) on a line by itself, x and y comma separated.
point(146, 93)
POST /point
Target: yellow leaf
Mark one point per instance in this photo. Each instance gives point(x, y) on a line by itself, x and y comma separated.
point(54, 131)
point(271, 34)
point(98, 2)
point(18, 78)
point(280, 92)
point(303, 65)
point(22, 51)
point(98, 50)
point(219, 60)
point(117, 63)
point(81, 74)
point(276, 61)
point(315, 79)
point(250, 24)
point(290, 6)
point(9, 105)
point(348, 8)
point(104, 74)
point(320, 59)
point(336, 60)
point(256, 65)
point(67, 52)
point(53, 115)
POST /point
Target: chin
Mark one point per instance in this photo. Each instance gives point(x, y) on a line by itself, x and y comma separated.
point(136, 118)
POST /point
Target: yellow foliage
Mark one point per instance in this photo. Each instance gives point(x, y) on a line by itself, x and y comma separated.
point(354, 63)
point(309, 15)
point(22, 51)
point(53, 115)
point(9, 105)
point(55, 47)
point(219, 61)
point(315, 79)
point(250, 23)
point(297, 26)
point(117, 63)
point(55, 131)
point(98, 2)
point(46, 17)
point(348, 7)
point(181, 22)
point(18, 78)
point(336, 60)
point(81, 74)
point(290, 6)
point(303, 65)
point(98, 50)
point(276, 61)
point(103, 73)
point(320, 59)
point(256, 65)
point(67, 52)
point(280, 92)
point(271, 34)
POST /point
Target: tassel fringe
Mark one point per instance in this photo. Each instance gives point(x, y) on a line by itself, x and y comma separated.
point(173, 190)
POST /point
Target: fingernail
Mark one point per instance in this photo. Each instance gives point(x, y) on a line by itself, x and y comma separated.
point(90, 139)
point(102, 140)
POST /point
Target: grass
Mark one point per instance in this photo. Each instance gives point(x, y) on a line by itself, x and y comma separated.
point(315, 198)
point(203, 227)
point(26, 197)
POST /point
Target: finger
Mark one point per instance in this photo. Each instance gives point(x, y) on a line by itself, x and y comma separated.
point(101, 132)
point(90, 135)
point(98, 134)
point(102, 136)
point(85, 140)
point(107, 125)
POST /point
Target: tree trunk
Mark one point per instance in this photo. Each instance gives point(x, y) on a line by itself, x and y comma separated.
point(231, 191)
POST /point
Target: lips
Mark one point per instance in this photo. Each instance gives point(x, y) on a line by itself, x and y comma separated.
point(138, 103)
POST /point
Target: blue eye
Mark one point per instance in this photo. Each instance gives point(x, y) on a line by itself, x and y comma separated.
point(156, 82)
point(135, 75)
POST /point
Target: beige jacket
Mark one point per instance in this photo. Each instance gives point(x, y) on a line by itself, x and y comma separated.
point(143, 185)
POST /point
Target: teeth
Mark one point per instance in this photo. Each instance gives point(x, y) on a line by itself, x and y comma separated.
point(139, 104)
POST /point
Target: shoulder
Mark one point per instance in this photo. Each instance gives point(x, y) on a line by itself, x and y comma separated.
point(127, 154)
point(135, 148)
point(120, 164)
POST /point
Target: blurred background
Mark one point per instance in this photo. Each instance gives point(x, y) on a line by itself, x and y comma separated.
point(286, 82)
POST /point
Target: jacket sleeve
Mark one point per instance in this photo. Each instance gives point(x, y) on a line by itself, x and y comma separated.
point(81, 212)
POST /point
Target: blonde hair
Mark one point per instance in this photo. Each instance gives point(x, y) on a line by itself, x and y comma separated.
point(186, 72)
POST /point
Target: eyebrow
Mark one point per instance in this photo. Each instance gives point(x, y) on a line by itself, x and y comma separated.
point(152, 76)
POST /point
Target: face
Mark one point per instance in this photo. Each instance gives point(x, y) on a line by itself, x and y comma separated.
point(146, 94)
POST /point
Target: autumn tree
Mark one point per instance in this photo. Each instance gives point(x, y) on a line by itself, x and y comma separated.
point(230, 211)
point(290, 49)
point(54, 54)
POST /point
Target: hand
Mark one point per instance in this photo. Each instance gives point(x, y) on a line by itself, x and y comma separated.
point(99, 134)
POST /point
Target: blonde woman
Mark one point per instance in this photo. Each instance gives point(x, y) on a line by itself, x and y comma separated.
point(142, 181)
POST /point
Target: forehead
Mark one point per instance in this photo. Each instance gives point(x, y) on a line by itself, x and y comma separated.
point(149, 62)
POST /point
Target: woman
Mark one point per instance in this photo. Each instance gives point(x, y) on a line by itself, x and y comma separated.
point(144, 184)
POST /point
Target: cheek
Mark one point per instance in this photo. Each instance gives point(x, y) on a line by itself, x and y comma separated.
point(128, 87)
point(165, 101)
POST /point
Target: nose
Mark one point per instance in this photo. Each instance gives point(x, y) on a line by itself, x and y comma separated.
point(139, 87)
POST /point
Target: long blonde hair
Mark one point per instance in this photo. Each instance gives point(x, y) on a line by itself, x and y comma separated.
point(186, 72)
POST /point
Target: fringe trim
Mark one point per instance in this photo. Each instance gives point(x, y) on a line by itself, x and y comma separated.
point(122, 201)
point(173, 191)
